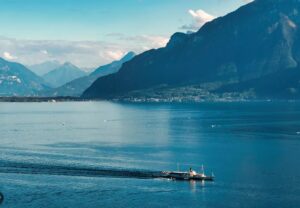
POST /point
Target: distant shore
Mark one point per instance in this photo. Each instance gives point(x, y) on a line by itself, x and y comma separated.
point(133, 100)
point(40, 99)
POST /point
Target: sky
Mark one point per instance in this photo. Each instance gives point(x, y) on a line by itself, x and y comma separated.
point(90, 33)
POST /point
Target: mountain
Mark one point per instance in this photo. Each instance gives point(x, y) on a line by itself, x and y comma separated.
point(256, 48)
point(113, 67)
point(88, 69)
point(45, 67)
point(17, 80)
point(77, 86)
point(63, 74)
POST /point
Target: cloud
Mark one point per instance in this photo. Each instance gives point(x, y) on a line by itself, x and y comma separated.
point(115, 55)
point(80, 53)
point(200, 18)
point(8, 56)
point(147, 42)
point(44, 52)
point(156, 41)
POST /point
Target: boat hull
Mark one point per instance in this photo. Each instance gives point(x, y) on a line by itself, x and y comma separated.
point(186, 176)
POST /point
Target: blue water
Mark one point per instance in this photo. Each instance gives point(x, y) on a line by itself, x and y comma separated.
point(52, 154)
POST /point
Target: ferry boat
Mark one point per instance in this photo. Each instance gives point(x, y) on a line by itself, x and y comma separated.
point(188, 176)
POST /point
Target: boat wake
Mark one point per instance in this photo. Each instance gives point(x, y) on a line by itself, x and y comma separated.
point(61, 170)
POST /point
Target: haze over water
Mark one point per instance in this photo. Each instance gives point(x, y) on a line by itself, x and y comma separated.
point(51, 154)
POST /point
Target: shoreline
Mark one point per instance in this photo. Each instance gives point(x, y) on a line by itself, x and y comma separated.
point(40, 99)
point(131, 100)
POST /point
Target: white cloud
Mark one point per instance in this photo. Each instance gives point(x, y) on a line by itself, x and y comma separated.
point(200, 18)
point(157, 41)
point(8, 56)
point(80, 53)
point(44, 52)
point(147, 41)
point(115, 55)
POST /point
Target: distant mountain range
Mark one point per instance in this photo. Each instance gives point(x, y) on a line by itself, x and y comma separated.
point(63, 74)
point(17, 80)
point(77, 86)
point(45, 67)
point(254, 50)
point(64, 80)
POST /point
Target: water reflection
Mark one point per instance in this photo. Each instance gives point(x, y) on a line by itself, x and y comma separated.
point(193, 186)
point(197, 185)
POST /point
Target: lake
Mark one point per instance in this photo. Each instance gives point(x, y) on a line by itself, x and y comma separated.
point(51, 154)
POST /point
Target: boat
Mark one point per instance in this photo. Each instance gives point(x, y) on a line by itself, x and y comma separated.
point(188, 176)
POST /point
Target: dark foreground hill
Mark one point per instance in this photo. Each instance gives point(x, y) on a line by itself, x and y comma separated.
point(254, 49)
